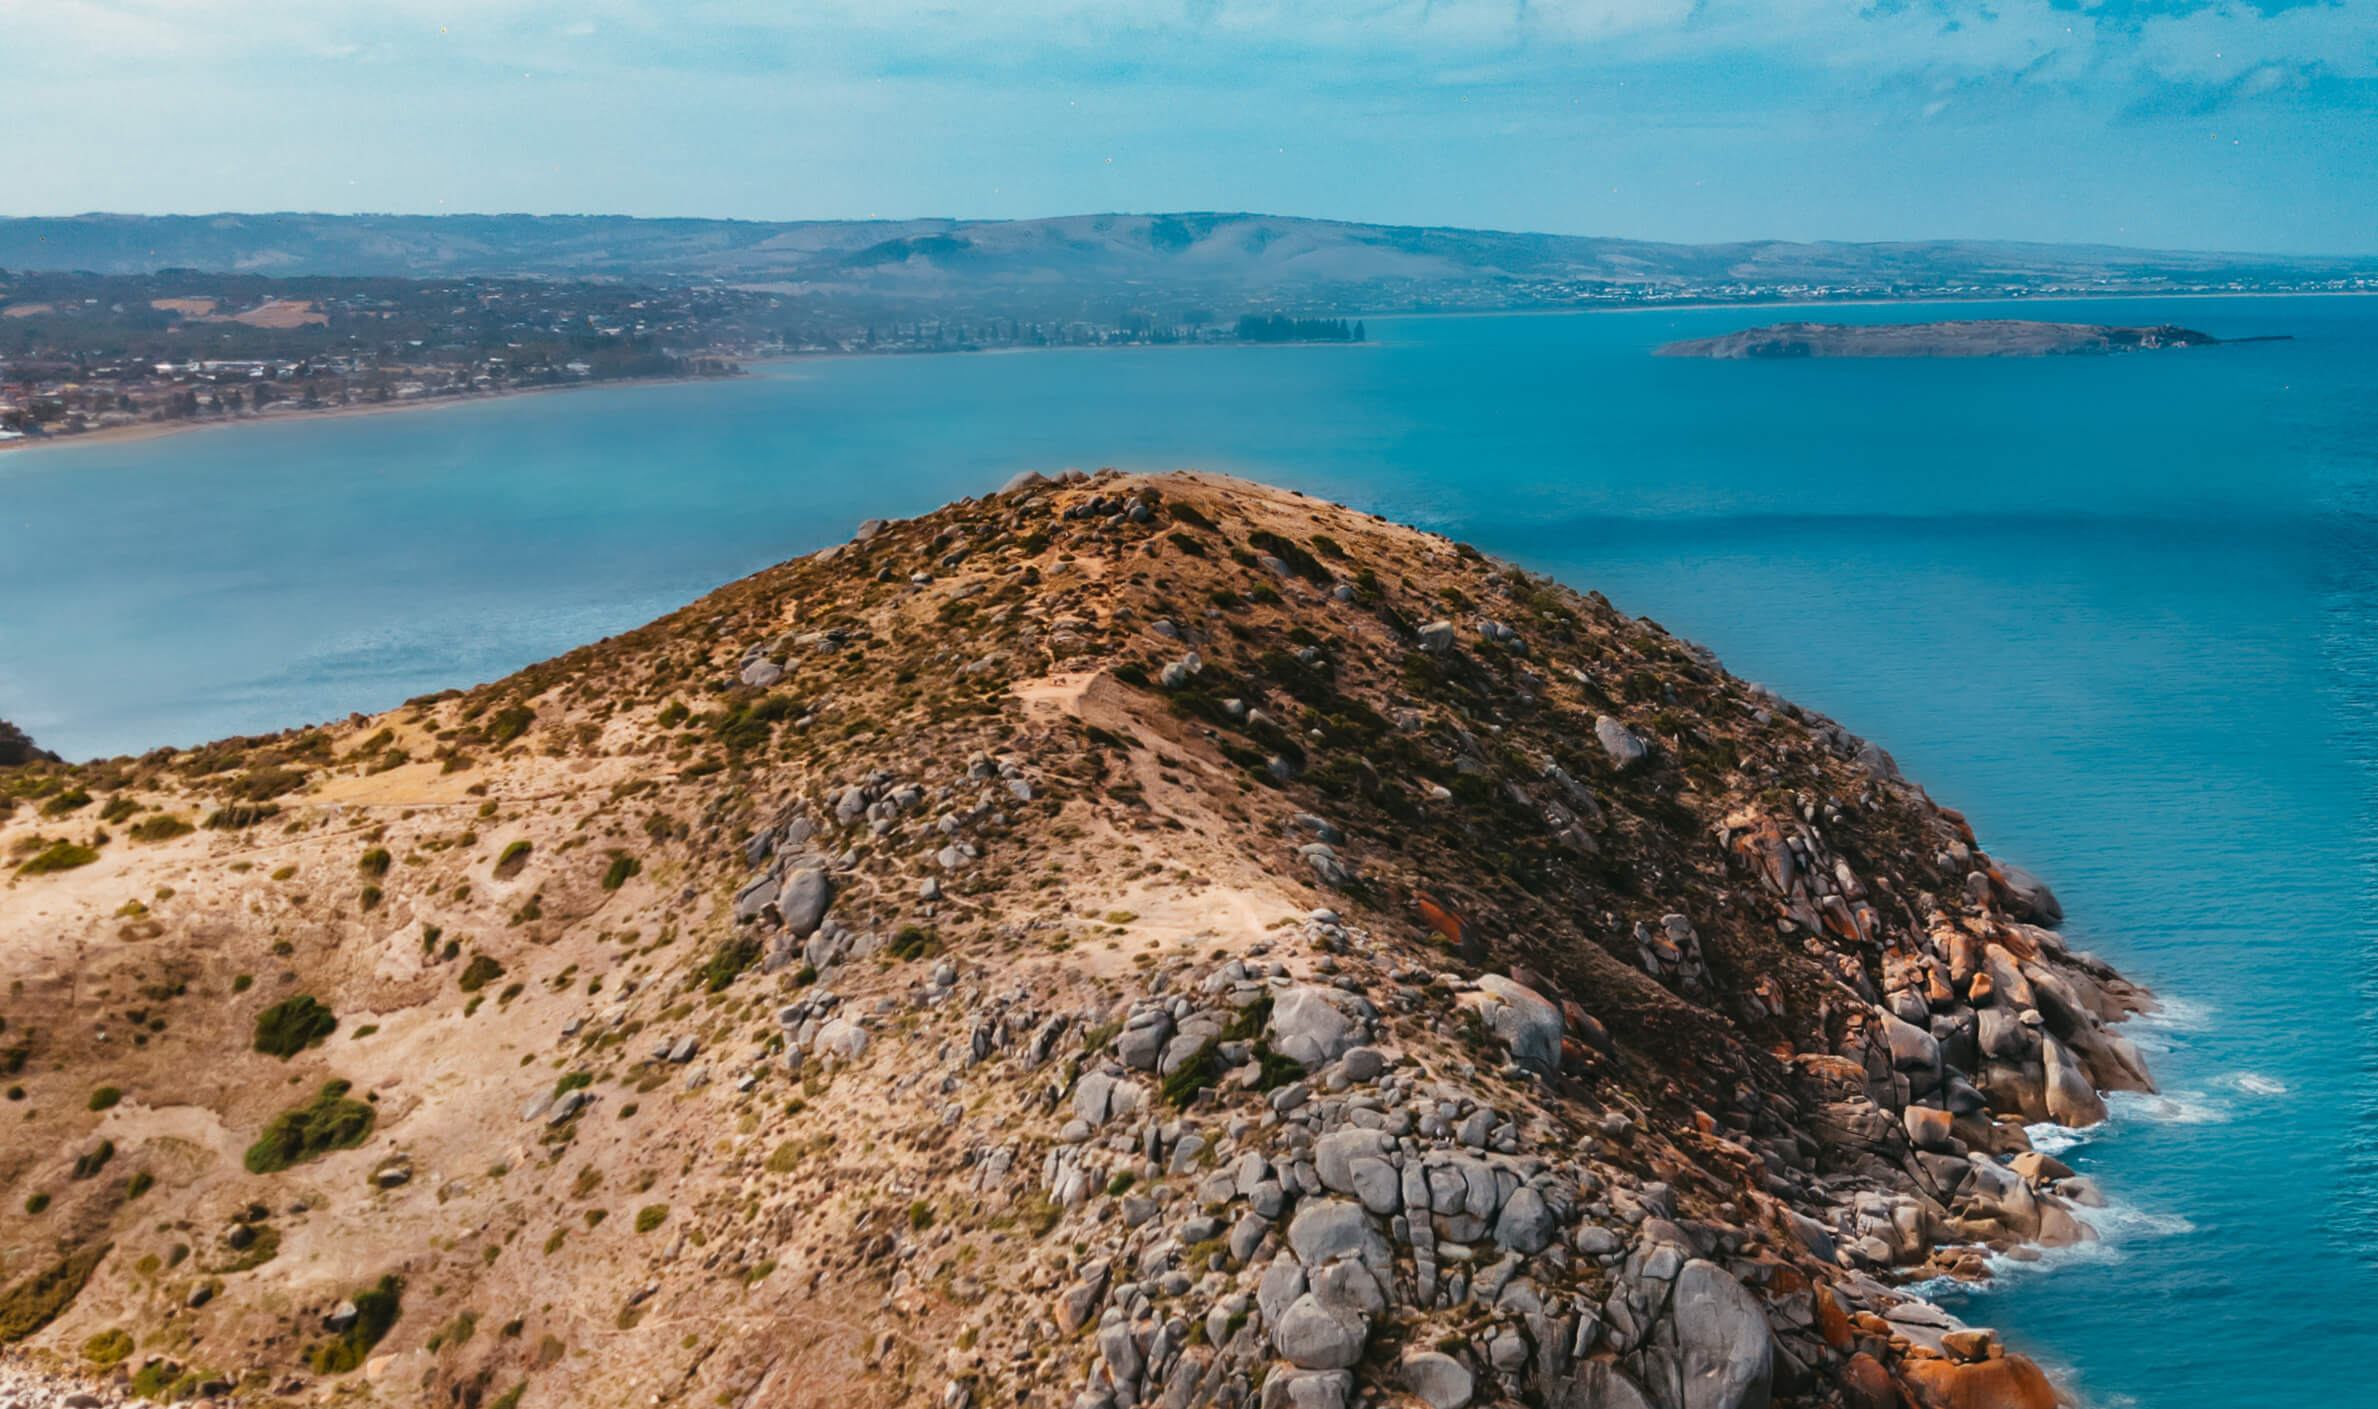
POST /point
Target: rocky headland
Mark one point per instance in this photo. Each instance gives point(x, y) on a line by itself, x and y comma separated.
point(1986, 337)
point(1123, 941)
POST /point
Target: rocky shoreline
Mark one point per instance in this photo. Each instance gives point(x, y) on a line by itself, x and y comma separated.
point(1123, 941)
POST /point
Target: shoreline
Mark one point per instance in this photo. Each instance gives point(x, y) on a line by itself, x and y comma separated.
point(149, 430)
point(159, 429)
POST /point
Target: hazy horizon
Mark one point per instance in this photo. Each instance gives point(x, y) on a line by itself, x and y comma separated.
point(1120, 213)
point(2161, 124)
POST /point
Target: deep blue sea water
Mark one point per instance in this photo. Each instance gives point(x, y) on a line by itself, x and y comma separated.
point(2122, 611)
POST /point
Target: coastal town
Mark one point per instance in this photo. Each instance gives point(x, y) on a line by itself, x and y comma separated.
point(83, 353)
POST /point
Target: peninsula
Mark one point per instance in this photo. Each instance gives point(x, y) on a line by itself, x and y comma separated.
point(1121, 940)
point(1986, 337)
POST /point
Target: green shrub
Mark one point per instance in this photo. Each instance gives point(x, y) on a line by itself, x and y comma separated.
point(370, 899)
point(241, 815)
point(329, 1122)
point(154, 1380)
point(106, 1096)
point(139, 1184)
point(375, 1314)
point(108, 1347)
point(651, 1216)
point(513, 861)
point(621, 868)
point(39, 1299)
point(1194, 1074)
point(60, 855)
point(375, 862)
point(65, 802)
point(914, 942)
point(88, 1164)
point(162, 827)
point(480, 972)
point(36, 1202)
point(509, 723)
point(729, 960)
point(292, 1025)
point(265, 784)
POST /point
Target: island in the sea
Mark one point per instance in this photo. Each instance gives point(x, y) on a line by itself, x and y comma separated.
point(1980, 337)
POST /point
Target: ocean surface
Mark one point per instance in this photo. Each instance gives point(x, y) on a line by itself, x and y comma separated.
point(2122, 611)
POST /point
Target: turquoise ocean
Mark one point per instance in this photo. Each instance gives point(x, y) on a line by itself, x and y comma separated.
point(2122, 611)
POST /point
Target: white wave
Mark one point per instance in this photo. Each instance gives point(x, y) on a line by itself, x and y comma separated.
point(2172, 1014)
point(2167, 1108)
point(2051, 1139)
point(2254, 1083)
point(2116, 1225)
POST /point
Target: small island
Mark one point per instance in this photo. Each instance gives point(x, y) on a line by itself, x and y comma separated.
point(1992, 337)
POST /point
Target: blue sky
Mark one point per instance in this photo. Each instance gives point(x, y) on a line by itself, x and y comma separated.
point(2157, 122)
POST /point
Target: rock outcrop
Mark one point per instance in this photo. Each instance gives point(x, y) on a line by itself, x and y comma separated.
point(1113, 943)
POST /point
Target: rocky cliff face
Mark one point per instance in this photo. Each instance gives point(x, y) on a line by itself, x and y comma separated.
point(1135, 941)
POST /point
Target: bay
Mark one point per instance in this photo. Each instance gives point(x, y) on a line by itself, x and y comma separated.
point(2122, 611)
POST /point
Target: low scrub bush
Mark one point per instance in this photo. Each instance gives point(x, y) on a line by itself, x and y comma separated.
point(329, 1122)
point(292, 1025)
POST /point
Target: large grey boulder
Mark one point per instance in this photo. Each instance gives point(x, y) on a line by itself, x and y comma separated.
point(2072, 1100)
point(804, 899)
point(1723, 1344)
point(1437, 1379)
point(1144, 1039)
point(1619, 742)
point(2030, 893)
point(1330, 867)
point(1912, 1048)
point(1310, 1026)
point(1316, 1336)
point(1526, 1225)
point(1324, 1229)
point(1308, 1389)
point(756, 895)
point(1527, 1022)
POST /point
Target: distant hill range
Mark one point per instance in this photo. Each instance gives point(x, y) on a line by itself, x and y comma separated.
point(1229, 258)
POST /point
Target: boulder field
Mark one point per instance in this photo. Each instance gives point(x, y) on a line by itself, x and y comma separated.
point(1120, 941)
